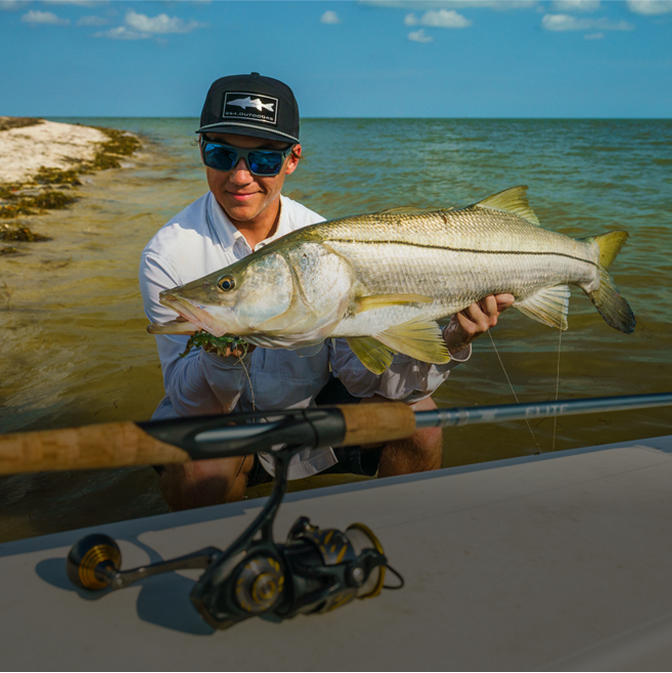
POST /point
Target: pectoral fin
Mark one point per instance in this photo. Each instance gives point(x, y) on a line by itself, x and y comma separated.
point(548, 305)
point(383, 300)
point(419, 339)
point(372, 354)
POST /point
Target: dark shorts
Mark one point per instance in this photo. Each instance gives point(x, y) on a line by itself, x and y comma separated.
point(351, 459)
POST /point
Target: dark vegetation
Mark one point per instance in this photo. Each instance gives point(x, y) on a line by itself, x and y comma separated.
point(7, 123)
point(51, 188)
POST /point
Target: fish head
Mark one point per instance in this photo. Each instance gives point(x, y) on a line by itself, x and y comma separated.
point(265, 293)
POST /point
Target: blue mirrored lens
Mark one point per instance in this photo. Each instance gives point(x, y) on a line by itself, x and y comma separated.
point(264, 163)
point(218, 157)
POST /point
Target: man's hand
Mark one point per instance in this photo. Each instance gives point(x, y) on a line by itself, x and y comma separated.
point(475, 320)
point(238, 351)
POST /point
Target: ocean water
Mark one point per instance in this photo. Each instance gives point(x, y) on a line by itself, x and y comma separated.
point(75, 351)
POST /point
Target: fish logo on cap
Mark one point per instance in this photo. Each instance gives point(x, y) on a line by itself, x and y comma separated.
point(244, 105)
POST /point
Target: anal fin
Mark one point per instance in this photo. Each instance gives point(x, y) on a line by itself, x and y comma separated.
point(419, 339)
point(372, 354)
point(548, 305)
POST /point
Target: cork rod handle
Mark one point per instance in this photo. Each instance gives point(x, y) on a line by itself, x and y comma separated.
point(88, 447)
point(371, 423)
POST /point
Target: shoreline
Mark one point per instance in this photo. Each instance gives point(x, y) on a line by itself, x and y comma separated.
point(41, 164)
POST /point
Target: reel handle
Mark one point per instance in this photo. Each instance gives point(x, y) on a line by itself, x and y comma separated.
point(94, 563)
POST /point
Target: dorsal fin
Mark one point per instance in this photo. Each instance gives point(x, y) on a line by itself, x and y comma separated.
point(512, 200)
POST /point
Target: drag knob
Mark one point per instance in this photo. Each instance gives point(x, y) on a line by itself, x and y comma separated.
point(92, 562)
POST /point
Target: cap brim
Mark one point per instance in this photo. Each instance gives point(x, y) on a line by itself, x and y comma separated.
point(252, 130)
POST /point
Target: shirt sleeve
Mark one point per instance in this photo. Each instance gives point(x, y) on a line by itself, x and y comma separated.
point(406, 379)
point(201, 382)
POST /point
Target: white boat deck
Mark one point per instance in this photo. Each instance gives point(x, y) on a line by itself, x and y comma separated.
point(559, 562)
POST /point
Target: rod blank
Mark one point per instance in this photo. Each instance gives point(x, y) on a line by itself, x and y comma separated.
point(498, 413)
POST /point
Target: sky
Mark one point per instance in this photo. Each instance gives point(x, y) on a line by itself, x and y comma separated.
point(374, 58)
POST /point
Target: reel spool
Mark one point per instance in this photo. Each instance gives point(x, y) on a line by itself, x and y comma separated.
point(314, 571)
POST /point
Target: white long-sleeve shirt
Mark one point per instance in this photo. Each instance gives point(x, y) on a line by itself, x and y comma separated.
point(201, 240)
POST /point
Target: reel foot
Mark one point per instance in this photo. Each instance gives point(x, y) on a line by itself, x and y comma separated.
point(93, 561)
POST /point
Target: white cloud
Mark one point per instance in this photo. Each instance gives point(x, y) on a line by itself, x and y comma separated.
point(123, 33)
point(419, 36)
point(34, 17)
point(576, 5)
point(11, 5)
point(593, 36)
point(650, 7)
point(564, 22)
point(161, 24)
point(92, 21)
point(442, 18)
point(330, 17)
point(418, 5)
point(82, 3)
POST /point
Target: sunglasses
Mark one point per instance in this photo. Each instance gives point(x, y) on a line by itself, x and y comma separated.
point(260, 162)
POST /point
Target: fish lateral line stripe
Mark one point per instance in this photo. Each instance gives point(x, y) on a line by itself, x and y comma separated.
point(446, 247)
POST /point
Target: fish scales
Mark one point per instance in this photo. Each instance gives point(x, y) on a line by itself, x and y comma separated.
point(383, 280)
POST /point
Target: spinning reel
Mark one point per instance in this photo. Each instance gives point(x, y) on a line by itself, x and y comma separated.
point(314, 571)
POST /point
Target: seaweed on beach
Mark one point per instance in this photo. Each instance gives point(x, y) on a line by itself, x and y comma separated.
point(21, 233)
point(20, 203)
point(36, 195)
point(9, 250)
point(57, 176)
point(7, 123)
point(120, 144)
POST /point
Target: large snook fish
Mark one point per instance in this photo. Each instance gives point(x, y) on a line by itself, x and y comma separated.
point(383, 280)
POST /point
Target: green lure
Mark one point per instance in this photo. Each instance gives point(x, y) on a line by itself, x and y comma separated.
point(200, 339)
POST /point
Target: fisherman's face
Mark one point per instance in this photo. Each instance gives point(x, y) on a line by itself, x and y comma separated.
point(248, 198)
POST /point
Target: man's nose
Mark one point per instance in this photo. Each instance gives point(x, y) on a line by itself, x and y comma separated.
point(240, 172)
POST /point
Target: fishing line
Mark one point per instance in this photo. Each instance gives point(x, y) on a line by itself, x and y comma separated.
point(557, 386)
point(529, 427)
point(249, 380)
point(254, 408)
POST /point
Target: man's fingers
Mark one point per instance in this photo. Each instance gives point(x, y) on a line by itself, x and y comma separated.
point(504, 300)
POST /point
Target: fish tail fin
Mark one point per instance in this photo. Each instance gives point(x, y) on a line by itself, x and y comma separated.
point(607, 299)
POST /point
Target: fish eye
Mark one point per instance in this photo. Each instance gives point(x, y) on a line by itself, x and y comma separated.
point(226, 283)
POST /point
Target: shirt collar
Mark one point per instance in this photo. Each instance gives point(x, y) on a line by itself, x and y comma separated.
point(227, 233)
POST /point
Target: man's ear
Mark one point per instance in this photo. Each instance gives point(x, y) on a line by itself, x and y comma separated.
point(293, 160)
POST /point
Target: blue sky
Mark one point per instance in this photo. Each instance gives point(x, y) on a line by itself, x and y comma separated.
point(520, 58)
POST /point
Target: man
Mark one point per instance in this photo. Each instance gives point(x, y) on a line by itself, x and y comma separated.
point(249, 143)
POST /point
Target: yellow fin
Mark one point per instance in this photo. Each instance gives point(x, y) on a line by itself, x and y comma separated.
point(382, 300)
point(419, 339)
point(610, 245)
point(512, 200)
point(372, 354)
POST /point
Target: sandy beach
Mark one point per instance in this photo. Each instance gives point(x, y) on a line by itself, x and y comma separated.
point(40, 164)
point(24, 149)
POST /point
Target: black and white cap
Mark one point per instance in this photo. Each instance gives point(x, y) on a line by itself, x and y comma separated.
point(251, 105)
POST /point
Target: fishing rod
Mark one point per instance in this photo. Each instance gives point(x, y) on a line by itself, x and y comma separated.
point(127, 443)
point(314, 570)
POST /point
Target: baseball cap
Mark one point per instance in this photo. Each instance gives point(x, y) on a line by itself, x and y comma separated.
point(251, 105)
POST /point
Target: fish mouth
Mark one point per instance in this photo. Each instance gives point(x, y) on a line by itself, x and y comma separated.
point(197, 317)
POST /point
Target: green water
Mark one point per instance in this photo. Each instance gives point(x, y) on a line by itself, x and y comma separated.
point(75, 350)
